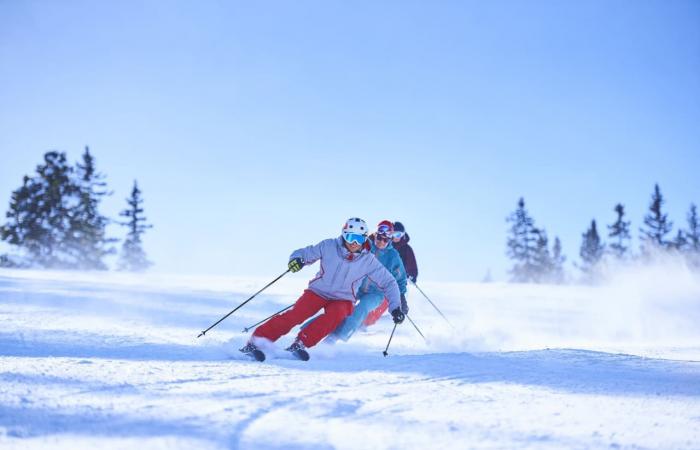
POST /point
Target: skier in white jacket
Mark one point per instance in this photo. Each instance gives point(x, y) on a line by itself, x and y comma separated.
point(345, 262)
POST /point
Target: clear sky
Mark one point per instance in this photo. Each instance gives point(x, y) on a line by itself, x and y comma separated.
point(255, 128)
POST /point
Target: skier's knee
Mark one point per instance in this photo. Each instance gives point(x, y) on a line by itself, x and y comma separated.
point(341, 311)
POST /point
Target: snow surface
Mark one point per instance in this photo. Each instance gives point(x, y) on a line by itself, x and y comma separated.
point(112, 361)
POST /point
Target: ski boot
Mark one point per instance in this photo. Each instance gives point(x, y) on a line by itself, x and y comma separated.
point(298, 350)
point(254, 352)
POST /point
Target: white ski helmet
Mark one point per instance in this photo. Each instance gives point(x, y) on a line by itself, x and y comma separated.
point(355, 226)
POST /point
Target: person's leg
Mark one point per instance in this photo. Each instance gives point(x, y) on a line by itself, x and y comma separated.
point(367, 303)
point(307, 323)
point(335, 312)
point(307, 305)
point(374, 315)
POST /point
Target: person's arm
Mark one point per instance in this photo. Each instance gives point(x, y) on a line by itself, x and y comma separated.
point(308, 255)
point(410, 263)
point(387, 283)
point(399, 272)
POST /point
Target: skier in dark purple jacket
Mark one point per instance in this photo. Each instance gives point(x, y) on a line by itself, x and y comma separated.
point(400, 243)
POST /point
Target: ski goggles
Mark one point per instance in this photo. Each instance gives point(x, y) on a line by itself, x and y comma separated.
point(385, 230)
point(354, 238)
point(398, 234)
point(383, 237)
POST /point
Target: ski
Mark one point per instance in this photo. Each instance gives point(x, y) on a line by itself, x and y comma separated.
point(296, 351)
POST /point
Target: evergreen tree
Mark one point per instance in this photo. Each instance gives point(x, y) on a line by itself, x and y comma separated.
point(87, 239)
point(619, 233)
point(680, 242)
point(693, 232)
point(591, 250)
point(692, 237)
point(488, 278)
point(6, 261)
point(133, 258)
point(39, 218)
point(542, 264)
point(557, 274)
point(522, 244)
point(657, 224)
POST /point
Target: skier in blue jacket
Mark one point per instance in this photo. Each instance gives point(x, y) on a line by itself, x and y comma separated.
point(370, 296)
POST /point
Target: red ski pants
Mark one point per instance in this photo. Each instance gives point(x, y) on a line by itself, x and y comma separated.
point(307, 305)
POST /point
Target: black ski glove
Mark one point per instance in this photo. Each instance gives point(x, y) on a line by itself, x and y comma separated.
point(296, 264)
point(413, 279)
point(398, 315)
point(404, 304)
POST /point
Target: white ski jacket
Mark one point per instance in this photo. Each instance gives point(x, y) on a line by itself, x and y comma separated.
point(342, 272)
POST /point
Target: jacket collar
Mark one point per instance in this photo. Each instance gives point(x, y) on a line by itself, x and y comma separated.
point(374, 248)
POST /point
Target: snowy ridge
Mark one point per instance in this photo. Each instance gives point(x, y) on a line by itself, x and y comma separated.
point(112, 361)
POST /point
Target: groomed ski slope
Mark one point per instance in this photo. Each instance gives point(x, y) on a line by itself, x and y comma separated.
point(113, 361)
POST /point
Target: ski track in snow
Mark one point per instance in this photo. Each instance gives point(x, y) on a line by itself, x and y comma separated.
point(112, 361)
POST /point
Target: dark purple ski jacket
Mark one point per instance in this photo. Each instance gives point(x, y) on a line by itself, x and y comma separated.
point(407, 256)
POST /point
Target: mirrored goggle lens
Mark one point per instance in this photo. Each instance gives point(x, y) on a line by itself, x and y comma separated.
point(384, 229)
point(398, 234)
point(351, 238)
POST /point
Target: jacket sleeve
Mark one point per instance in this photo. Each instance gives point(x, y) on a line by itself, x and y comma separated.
point(410, 263)
point(386, 282)
point(309, 254)
point(399, 272)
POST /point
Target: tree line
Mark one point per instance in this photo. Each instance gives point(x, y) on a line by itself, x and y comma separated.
point(54, 222)
point(535, 262)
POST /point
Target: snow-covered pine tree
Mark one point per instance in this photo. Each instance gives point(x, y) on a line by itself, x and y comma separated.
point(657, 225)
point(522, 244)
point(619, 233)
point(39, 217)
point(591, 252)
point(133, 258)
point(87, 240)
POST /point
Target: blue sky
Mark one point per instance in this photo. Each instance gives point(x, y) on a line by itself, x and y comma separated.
point(255, 128)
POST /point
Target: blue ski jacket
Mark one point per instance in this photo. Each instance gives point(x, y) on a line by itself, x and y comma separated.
point(390, 259)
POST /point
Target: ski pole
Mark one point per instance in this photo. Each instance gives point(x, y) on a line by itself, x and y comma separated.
point(431, 302)
point(245, 330)
point(386, 350)
point(416, 327)
point(238, 307)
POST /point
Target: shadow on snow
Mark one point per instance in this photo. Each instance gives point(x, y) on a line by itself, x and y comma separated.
point(578, 371)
